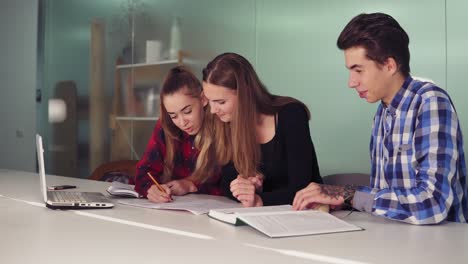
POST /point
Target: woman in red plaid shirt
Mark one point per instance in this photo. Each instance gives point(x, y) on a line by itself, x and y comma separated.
point(180, 153)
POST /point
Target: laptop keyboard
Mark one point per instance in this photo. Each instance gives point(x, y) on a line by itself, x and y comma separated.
point(77, 197)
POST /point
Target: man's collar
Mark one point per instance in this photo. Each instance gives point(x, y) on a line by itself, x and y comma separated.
point(398, 98)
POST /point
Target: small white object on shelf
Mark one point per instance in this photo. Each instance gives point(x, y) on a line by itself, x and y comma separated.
point(153, 50)
point(152, 104)
point(175, 44)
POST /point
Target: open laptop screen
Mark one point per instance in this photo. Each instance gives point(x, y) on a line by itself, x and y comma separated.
point(67, 200)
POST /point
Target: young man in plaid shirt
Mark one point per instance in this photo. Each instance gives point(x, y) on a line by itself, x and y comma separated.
point(418, 172)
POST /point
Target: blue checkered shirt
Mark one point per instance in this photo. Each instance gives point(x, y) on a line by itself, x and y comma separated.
point(418, 165)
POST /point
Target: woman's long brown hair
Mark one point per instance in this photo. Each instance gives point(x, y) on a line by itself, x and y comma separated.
point(182, 79)
point(234, 72)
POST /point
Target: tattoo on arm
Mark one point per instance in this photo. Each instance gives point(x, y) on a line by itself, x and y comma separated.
point(336, 192)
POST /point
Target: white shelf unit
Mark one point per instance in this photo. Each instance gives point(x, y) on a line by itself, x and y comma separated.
point(141, 73)
point(137, 65)
point(130, 137)
point(136, 118)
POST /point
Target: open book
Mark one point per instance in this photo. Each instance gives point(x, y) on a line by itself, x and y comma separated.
point(122, 189)
point(231, 215)
point(195, 203)
point(283, 221)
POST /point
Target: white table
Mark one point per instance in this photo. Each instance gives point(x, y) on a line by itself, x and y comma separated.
point(31, 233)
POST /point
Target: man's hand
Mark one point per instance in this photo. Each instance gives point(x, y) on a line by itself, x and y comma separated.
point(316, 194)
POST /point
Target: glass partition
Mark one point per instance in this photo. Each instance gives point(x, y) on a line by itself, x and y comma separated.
point(113, 56)
point(109, 57)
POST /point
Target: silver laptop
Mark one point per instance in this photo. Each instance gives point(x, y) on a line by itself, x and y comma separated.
point(67, 199)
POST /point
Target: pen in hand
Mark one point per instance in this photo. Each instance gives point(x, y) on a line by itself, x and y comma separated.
point(158, 185)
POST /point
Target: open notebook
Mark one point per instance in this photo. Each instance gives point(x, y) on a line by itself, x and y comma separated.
point(67, 199)
point(197, 204)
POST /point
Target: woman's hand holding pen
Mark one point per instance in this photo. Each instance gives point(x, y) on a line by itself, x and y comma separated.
point(162, 193)
point(156, 195)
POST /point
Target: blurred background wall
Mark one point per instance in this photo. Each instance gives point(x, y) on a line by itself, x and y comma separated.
point(292, 45)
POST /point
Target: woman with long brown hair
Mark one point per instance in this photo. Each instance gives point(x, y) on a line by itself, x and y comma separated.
point(265, 137)
point(180, 152)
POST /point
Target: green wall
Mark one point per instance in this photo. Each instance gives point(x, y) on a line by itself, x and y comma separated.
point(18, 28)
point(457, 60)
point(292, 44)
point(297, 56)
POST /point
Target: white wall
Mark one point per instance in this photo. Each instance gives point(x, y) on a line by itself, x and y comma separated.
point(18, 28)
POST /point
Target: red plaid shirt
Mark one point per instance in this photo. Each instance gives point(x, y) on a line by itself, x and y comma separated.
point(185, 158)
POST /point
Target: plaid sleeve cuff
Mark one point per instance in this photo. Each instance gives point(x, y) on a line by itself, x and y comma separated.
point(363, 201)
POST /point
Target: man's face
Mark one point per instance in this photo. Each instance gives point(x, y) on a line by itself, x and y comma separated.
point(370, 79)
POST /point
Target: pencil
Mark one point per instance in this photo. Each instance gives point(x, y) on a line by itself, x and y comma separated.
point(156, 183)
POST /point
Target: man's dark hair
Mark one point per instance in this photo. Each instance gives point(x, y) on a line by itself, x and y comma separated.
point(381, 36)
